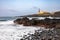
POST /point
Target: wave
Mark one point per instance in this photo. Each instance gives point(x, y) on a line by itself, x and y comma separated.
point(11, 31)
point(9, 22)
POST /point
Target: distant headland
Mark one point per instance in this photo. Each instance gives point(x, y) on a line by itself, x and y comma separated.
point(44, 14)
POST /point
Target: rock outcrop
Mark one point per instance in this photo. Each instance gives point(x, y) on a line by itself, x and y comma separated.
point(44, 35)
point(47, 23)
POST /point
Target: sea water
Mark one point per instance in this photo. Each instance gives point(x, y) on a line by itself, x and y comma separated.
point(11, 31)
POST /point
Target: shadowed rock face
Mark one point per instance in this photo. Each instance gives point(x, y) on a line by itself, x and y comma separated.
point(17, 21)
point(21, 20)
point(47, 23)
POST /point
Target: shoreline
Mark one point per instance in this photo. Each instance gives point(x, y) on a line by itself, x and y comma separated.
point(44, 35)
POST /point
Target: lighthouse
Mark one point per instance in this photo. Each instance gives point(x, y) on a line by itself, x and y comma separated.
point(43, 12)
point(40, 12)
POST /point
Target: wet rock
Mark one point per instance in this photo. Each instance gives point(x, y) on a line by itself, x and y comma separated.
point(47, 23)
point(21, 20)
point(17, 21)
point(45, 35)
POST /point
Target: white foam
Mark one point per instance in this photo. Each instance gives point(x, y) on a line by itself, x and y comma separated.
point(6, 22)
point(11, 31)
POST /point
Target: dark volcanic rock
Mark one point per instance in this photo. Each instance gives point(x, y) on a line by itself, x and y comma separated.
point(44, 35)
point(21, 20)
point(47, 23)
point(17, 21)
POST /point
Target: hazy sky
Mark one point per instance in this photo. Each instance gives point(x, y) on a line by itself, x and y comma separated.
point(25, 7)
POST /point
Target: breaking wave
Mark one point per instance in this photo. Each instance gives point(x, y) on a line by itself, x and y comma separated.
point(11, 31)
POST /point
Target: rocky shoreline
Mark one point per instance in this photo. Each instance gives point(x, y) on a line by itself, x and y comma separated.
point(47, 23)
point(53, 26)
point(44, 35)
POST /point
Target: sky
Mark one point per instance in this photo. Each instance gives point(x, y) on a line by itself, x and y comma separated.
point(26, 7)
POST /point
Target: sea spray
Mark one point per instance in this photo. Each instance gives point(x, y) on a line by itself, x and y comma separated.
point(11, 31)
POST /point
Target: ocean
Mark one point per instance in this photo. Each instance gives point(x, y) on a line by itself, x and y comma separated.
point(11, 31)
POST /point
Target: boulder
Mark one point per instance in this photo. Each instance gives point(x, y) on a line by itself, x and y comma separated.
point(21, 20)
point(17, 21)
